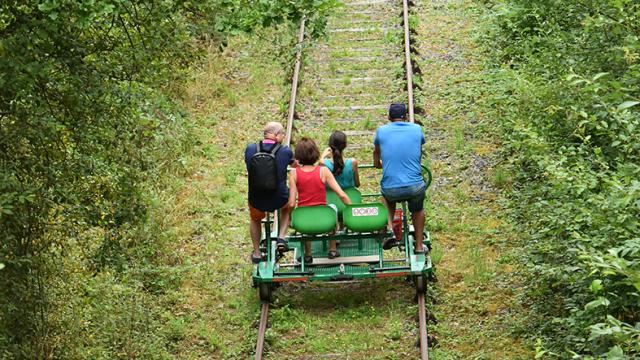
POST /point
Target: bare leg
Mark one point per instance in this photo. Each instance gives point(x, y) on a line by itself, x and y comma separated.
point(307, 248)
point(418, 219)
point(285, 218)
point(332, 245)
point(255, 228)
point(391, 206)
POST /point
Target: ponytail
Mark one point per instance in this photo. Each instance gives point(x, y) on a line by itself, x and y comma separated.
point(338, 162)
point(337, 143)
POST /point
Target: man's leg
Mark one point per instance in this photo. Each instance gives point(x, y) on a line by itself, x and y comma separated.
point(285, 219)
point(255, 228)
point(416, 206)
point(391, 206)
point(418, 219)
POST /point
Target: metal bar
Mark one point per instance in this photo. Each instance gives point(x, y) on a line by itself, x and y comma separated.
point(264, 315)
point(407, 57)
point(294, 83)
point(422, 315)
point(297, 273)
point(390, 268)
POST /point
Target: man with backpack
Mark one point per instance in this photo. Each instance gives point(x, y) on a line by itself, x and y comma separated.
point(267, 163)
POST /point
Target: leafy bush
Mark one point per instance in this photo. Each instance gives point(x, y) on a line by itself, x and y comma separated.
point(89, 129)
point(570, 116)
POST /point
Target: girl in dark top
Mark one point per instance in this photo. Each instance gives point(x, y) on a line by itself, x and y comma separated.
point(307, 186)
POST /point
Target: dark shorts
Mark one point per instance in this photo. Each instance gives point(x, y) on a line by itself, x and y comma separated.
point(413, 195)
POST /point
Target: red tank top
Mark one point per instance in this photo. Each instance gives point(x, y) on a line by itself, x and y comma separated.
point(311, 189)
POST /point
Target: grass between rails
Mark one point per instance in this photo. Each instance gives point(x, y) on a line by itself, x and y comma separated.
point(478, 310)
point(214, 313)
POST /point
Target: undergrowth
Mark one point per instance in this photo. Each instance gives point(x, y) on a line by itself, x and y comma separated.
point(565, 96)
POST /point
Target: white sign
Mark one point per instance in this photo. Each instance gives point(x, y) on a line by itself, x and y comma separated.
point(364, 211)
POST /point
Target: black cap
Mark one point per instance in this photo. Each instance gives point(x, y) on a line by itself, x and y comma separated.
point(397, 111)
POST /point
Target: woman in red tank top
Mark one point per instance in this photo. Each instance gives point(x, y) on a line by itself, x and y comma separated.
point(307, 185)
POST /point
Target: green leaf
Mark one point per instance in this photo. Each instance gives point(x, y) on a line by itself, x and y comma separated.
point(627, 104)
point(1, 266)
point(599, 75)
point(596, 286)
point(615, 352)
point(601, 301)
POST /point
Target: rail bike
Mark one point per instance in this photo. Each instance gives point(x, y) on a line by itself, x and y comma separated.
point(360, 229)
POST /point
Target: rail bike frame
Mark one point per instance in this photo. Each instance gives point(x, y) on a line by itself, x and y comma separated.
point(362, 257)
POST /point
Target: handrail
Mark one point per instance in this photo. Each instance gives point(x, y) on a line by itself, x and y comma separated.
point(407, 57)
point(425, 171)
point(294, 83)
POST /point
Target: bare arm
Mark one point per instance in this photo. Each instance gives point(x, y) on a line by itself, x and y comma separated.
point(333, 184)
point(293, 190)
point(356, 174)
point(376, 158)
point(325, 154)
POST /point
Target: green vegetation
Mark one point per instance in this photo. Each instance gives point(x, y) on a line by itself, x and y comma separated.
point(123, 202)
point(92, 133)
point(566, 95)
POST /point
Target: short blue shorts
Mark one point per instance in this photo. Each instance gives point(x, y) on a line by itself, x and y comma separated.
point(413, 194)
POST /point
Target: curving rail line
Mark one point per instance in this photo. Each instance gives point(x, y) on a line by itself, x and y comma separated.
point(422, 317)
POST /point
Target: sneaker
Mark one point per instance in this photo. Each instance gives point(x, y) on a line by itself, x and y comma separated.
point(255, 259)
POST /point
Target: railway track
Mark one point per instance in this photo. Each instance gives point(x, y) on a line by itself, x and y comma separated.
point(352, 78)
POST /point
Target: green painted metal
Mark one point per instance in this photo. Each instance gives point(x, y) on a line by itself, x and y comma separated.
point(354, 195)
point(313, 219)
point(318, 225)
point(365, 217)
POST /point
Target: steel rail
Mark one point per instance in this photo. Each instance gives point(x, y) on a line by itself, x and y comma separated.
point(264, 315)
point(407, 58)
point(422, 318)
point(422, 312)
point(294, 83)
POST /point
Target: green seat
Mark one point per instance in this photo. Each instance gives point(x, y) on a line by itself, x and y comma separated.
point(313, 220)
point(365, 217)
point(354, 195)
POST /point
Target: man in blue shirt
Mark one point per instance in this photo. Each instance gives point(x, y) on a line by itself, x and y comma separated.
point(398, 151)
point(261, 202)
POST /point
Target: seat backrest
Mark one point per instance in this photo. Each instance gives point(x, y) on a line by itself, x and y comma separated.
point(365, 217)
point(313, 220)
point(354, 195)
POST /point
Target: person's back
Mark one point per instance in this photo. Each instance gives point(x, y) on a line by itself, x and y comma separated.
point(344, 170)
point(266, 197)
point(270, 200)
point(307, 186)
point(311, 188)
point(400, 146)
point(398, 151)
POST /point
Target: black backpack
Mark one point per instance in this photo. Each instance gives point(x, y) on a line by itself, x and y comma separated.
point(263, 169)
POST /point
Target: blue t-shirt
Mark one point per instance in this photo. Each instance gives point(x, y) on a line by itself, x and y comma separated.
point(346, 178)
point(400, 151)
point(271, 200)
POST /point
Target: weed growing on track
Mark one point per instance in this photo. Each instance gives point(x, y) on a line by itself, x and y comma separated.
point(478, 312)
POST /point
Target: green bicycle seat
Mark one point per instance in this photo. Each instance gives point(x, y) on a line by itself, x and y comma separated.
point(365, 217)
point(354, 195)
point(313, 220)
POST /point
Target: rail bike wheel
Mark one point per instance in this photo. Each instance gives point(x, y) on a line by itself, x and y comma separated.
point(265, 290)
point(421, 284)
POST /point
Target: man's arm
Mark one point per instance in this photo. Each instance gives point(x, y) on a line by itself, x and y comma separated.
point(376, 158)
